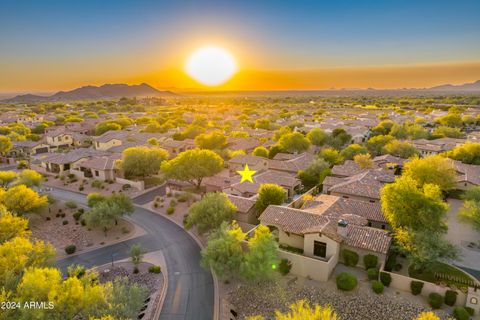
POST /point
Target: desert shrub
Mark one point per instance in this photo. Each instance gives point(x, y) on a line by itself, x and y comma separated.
point(346, 281)
point(435, 300)
point(154, 269)
point(284, 266)
point(170, 210)
point(70, 204)
point(173, 203)
point(350, 257)
point(470, 310)
point(81, 188)
point(450, 297)
point(386, 278)
point(77, 215)
point(135, 270)
point(70, 249)
point(126, 187)
point(416, 287)
point(372, 274)
point(377, 286)
point(71, 176)
point(81, 210)
point(370, 261)
point(64, 222)
point(97, 184)
point(63, 215)
point(83, 222)
point(48, 218)
point(460, 313)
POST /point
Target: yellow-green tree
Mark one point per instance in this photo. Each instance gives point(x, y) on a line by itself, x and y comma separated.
point(142, 161)
point(433, 169)
point(5, 145)
point(29, 178)
point(301, 310)
point(21, 199)
point(6, 177)
point(12, 226)
point(427, 316)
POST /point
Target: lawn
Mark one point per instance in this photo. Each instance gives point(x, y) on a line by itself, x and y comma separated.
point(440, 268)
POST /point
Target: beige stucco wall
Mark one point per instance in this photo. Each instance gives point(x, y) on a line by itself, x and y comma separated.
point(309, 267)
point(361, 254)
point(107, 145)
point(292, 239)
point(65, 139)
point(332, 246)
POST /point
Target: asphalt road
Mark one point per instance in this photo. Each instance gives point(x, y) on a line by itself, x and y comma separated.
point(190, 293)
point(150, 195)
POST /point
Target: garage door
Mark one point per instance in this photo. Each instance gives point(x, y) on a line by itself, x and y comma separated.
point(41, 150)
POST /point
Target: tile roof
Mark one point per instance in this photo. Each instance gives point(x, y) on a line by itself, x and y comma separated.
point(243, 204)
point(372, 239)
point(365, 184)
point(467, 172)
point(71, 156)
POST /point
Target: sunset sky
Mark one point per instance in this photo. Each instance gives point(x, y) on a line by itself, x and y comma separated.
point(59, 45)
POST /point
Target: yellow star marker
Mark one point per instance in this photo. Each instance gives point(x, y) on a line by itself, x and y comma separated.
point(246, 174)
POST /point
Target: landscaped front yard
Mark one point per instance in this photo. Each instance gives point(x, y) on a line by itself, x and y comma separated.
point(444, 271)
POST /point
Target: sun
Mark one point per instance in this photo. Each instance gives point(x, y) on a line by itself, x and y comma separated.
point(211, 66)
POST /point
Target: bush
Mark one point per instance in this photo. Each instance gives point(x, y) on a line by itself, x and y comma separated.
point(64, 222)
point(350, 257)
point(135, 270)
point(470, 311)
point(170, 210)
point(460, 313)
point(173, 203)
point(450, 297)
point(97, 184)
point(416, 287)
point(284, 266)
point(372, 274)
point(154, 269)
point(83, 222)
point(70, 249)
point(386, 278)
point(377, 287)
point(346, 281)
point(370, 261)
point(77, 215)
point(126, 187)
point(70, 204)
point(435, 300)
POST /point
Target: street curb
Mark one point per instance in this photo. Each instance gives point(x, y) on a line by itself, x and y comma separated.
point(216, 298)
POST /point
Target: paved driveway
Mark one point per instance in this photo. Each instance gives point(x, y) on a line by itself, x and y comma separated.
point(462, 234)
point(190, 293)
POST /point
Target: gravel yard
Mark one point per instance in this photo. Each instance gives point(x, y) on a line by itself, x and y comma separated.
point(360, 304)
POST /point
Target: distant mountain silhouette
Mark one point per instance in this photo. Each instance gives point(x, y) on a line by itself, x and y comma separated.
point(474, 86)
point(107, 91)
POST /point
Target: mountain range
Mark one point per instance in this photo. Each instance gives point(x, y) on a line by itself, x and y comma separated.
point(106, 91)
point(116, 91)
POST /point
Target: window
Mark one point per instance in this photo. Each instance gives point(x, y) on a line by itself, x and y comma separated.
point(372, 201)
point(345, 197)
point(96, 173)
point(383, 226)
point(319, 249)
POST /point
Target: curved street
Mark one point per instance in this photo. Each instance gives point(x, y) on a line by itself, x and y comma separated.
point(190, 292)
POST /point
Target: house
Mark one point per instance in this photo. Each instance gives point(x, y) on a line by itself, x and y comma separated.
point(433, 147)
point(364, 186)
point(293, 165)
point(246, 211)
point(314, 239)
point(62, 162)
point(246, 144)
point(468, 175)
point(254, 163)
point(58, 139)
point(97, 167)
point(28, 148)
point(174, 147)
point(109, 139)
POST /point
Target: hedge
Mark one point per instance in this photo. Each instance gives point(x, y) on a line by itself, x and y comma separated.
point(386, 278)
point(284, 266)
point(350, 257)
point(377, 286)
point(416, 287)
point(450, 297)
point(370, 261)
point(70, 249)
point(460, 313)
point(435, 300)
point(346, 281)
point(372, 274)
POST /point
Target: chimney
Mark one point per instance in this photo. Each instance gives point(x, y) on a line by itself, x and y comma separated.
point(342, 227)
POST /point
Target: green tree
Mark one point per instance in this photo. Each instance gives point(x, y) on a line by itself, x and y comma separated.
point(383, 128)
point(214, 141)
point(470, 210)
point(126, 299)
point(405, 204)
point(261, 259)
point(105, 213)
point(294, 142)
point(193, 166)
point(331, 155)
point(260, 152)
point(317, 137)
point(402, 149)
point(209, 213)
point(450, 120)
point(375, 144)
point(431, 170)
point(103, 127)
point(449, 132)
point(352, 150)
point(93, 198)
point(314, 174)
point(269, 194)
point(136, 254)
point(142, 161)
point(224, 252)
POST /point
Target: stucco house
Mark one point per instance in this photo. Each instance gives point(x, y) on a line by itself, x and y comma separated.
point(246, 211)
point(96, 167)
point(468, 175)
point(312, 238)
point(59, 139)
